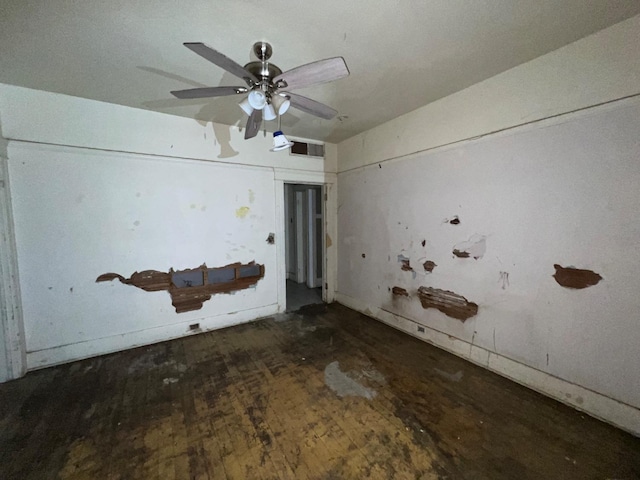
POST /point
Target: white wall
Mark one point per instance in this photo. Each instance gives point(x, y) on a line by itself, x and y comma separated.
point(99, 188)
point(564, 190)
point(599, 68)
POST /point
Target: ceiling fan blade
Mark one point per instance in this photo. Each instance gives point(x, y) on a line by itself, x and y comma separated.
point(253, 124)
point(221, 60)
point(208, 92)
point(314, 73)
point(311, 106)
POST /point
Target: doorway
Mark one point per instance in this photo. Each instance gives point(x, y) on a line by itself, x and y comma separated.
point(304, 253)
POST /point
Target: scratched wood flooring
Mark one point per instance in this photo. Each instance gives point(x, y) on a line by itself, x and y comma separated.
point(263, 401)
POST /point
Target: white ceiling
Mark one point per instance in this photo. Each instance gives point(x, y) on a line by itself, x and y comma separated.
point(401, 54)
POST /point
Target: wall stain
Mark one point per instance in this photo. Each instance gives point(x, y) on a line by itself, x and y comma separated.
point(399, 291)
point(475, 247)
point(242, 212)
point(429, 266)
point(449, 303)
point(571, 277)
point(198, 284)
point(504, 279)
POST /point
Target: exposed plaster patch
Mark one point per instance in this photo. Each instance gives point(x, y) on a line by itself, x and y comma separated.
point(475, 247)
point(429, 266)
point(190, 288)
point(328, 241)
point(571, 277)
point(405, 263)
point(449, 303)
point(399, 291)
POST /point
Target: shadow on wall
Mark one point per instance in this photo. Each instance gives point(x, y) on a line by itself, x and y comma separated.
point(212, 111)
point(222, 112)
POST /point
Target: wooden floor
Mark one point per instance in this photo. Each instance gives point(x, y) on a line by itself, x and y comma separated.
point(325, 394)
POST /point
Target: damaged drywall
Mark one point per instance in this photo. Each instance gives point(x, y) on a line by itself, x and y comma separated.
point(475, 247)
point(400, 292)
point(429, 266)
point(190, 288)
point(571, 277)
point(405, 263)
point(449, 303)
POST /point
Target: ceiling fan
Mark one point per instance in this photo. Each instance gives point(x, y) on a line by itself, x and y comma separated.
point(268, 87)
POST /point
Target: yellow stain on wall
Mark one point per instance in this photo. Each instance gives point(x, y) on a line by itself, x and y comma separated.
point(242, 212)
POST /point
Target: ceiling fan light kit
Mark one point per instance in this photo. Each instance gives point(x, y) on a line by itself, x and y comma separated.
point(280, 142)
point(245, 106)
point(280, 103)
point(266, 84)
point(269, 113)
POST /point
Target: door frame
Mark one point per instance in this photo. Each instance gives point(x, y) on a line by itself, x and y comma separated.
point(330, 226)
point(13, 349)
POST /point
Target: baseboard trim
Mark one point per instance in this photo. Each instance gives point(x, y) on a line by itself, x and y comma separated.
point(102, 346)
point(618, 414)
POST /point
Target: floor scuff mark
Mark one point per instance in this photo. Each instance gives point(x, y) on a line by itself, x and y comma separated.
point(454, 377)
point(343, 385)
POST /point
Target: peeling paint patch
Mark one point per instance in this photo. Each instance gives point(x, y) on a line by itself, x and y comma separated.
point(327, 240)
point(424, 242)
point(571, 277)
point(242, 212)
point(454, 377)
point(343, 385)
point(190, 288)
point(399, 291)
point(405, 263)
point(475, 247)
point(271, 239)
point(429, 266)
point(449, 303)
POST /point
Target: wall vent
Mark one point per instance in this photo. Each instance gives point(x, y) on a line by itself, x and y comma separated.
point(307, 149)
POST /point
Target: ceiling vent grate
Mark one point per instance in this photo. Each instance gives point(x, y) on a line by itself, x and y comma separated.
point(307, 149)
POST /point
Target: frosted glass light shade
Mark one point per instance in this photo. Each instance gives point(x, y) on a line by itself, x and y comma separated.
point(257, 99)
point(246, 108)
point(268, 113)
point(280, 103)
